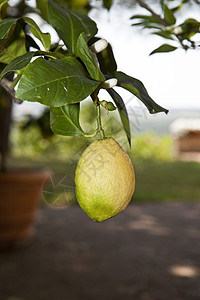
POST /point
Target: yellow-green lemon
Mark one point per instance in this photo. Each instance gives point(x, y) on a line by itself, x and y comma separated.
point(105, 179)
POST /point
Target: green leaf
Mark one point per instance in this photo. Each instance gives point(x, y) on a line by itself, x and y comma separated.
point(150, 19)
point(45, 38)
point(55, 83)
point(88, 58)
point(107, 4)
point(169, 16)
point(192, 21)
point(5, 26)
point(146, 24)
point(2, 3)
point(189, 26)
point(137, 88)
point(109, 106)
point(153, 27)
point(64, 120)
point(42, 6)
point(143, 23)
point(122, 112)
point(164, 48)
point(14, 45)
point(164, 34)
point(69, 25)
point(17, 63)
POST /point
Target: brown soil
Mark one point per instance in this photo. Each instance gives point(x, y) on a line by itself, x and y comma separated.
point(148, 252)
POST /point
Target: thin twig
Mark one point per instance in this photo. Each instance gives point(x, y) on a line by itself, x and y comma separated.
point(161, 21)
point(147, 7)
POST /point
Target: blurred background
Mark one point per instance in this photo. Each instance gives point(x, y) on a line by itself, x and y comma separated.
point(152, 250)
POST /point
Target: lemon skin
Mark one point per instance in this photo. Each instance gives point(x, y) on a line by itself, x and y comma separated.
point(105, 179)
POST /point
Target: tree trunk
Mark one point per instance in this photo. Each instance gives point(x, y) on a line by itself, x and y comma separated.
point(5, 121)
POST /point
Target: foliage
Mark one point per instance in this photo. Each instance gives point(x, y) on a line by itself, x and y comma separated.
point(61, 76)
point(150, 147)
point(31, 143)
point(166, 25)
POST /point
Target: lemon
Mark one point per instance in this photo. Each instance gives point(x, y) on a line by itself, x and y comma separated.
point(105, 179)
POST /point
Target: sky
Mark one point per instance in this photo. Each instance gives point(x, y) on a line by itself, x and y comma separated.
point(171, 79)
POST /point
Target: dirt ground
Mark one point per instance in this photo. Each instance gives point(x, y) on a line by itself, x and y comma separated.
point(148, 252)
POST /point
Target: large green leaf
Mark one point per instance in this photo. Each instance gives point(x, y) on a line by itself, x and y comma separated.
point(164, 48)
point(45, 38)
point(64, 120)
point(5, 26)
point(69, 25)
point(84, 53)
point(122, 112)
point(137, 88)
point(42, 6)
point(17, 63)
point(55, 83)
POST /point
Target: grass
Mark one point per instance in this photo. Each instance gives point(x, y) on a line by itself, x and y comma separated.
point(155, 181)
point(164, 181)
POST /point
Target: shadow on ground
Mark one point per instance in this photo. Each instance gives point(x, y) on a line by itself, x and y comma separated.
point(149, 252)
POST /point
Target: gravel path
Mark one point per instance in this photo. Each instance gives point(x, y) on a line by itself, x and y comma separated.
point(149, 252)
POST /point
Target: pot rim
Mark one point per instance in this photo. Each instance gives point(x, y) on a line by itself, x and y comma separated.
point(25, 174)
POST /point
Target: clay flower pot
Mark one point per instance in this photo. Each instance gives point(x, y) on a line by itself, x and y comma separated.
point(20, 193)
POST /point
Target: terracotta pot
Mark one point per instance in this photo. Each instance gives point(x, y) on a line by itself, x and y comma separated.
point(20, 193)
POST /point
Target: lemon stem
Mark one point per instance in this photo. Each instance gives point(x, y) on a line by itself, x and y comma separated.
point(99, 124)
